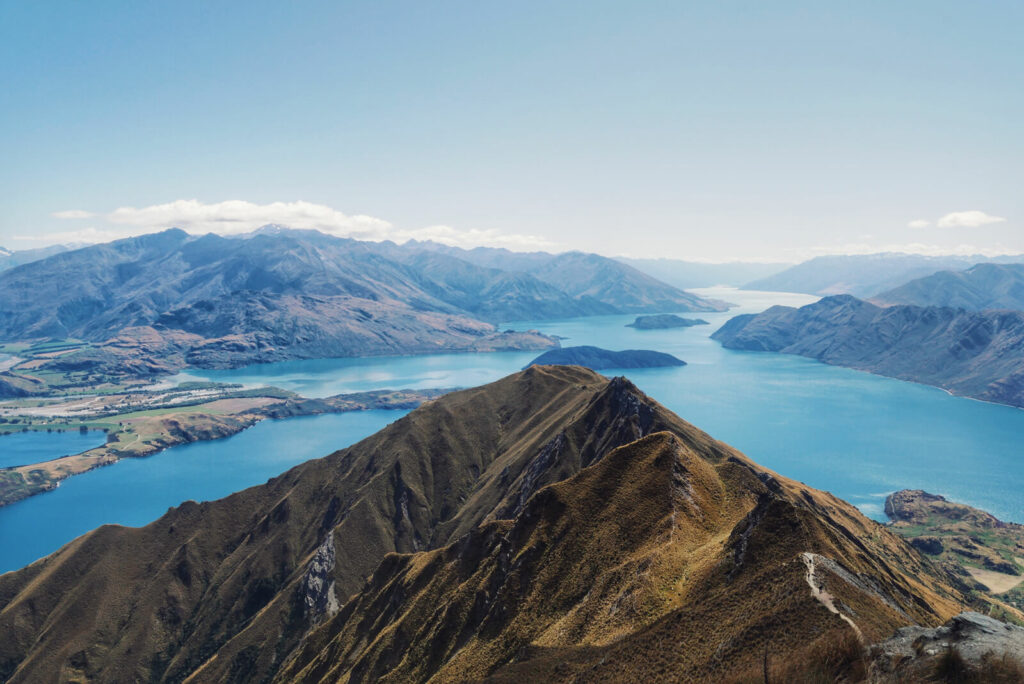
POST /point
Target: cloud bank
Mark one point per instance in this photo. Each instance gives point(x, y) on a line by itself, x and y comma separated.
point(236, 217)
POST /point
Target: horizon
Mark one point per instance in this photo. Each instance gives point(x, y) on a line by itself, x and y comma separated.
point(694, 133)
point(428, 241)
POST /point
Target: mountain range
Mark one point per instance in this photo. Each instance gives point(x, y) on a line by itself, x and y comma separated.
point(979, 288)
point(586, 277)
point(552, 526)
point(865, 275)
point(973, 354)
point(281, 294)
point(692, 274)
point(11, 258)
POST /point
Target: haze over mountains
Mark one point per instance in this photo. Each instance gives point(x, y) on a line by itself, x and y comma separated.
point(981, 287)
point(11, 258)
point(974, 354)
point(549, 526)
point(865, 275)
point(284, 294)
point(691, 274)
point(585, 277)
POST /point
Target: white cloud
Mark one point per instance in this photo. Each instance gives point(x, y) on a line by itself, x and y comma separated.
point(446, 235)
point(919, 223)
point(73, 214)
point(238, 216)
point(968, 219)
point(235, 217)
point(90, 235)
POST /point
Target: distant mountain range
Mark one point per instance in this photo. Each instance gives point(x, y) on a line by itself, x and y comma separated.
point(284, 294)
point(973, 354)
point(981, 287)
point(554, 526)
point(11, 258)
point(865, 275)
point(692, 274)
point(587, 278)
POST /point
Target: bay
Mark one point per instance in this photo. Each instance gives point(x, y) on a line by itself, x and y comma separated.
point(136, 491)
point(857, 435)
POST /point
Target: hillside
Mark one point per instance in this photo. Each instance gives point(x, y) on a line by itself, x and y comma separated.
point(553, 524)
point(11, 258)
point(862, 275)
point(153, 303)
point(591, 279)
point(974, 354)
point(968, 541)
point(979, 288)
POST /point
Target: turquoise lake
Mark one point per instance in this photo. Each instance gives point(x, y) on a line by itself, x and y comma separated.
point(135, 491)
point(23, 448)
point(857, 435)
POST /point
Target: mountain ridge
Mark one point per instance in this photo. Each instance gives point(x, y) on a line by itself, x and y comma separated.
point(230, 590)
point(864, 275)
point(157, 302)
point(981, 287)
point(973, 354)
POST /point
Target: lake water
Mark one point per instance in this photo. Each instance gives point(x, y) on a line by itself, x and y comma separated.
point(857, 435)
point(135, 491)
point(22, 448)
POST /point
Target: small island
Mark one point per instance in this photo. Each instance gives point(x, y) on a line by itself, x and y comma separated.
point(664, 321)
point(596, 358)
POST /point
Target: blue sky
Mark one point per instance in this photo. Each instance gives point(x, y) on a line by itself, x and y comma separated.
point(692, 130)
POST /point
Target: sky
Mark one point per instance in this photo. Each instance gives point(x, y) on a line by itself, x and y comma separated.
point(708, 131)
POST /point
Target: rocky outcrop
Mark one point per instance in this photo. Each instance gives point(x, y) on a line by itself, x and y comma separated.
point(974, 354)
point(318, 584)
point(966, 648)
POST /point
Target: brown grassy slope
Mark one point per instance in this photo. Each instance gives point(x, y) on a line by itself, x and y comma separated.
point(226, 591)
point(671, 558)
point(226, 578)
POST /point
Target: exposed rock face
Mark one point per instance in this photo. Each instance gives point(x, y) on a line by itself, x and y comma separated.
point(551, 526)
point(318, 584)
point(973, 354)
point(596, 358)
point(979, 288)
point(664, 321)
point(913, 653)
